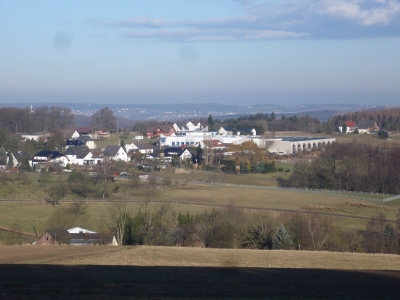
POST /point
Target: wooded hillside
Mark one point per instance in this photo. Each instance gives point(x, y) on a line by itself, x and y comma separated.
point(388, 118)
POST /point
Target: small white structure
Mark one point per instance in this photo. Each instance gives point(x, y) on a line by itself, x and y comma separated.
point(139, 137)
point(79, 230)
point(131, 148)
point(36, 136)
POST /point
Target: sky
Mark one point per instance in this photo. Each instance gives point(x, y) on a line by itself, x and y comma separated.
point(200, 51)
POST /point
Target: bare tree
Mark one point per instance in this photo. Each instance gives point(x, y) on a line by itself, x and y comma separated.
point(116, 217)
point(319, 228)
point(105, 119)
point(258, 233)
point(105, 169)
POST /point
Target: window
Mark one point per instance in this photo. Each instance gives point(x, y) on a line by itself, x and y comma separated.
point(173, 143)
point(182, 143)
point(187, 143)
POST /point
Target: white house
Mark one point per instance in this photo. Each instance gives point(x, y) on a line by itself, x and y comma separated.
point(179, 152)
point(53, 157)
point(88, 141)
point(79, 155)
point(131, 148)
point(114, 152)
point(19, 157)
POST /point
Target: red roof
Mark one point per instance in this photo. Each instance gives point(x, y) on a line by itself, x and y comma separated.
point(350, 124)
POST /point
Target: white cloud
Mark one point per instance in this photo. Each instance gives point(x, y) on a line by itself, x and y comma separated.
point(276, 20)
point(374, 12)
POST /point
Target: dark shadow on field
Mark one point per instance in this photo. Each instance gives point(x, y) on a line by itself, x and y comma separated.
point(130, 282)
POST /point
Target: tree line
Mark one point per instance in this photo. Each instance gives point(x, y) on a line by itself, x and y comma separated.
point(352, 166)
point(232, 227)
point(387, 118)
point(43, 118)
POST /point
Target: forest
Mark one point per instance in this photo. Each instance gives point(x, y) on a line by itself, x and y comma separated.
point(352, 166)
point(387, 118)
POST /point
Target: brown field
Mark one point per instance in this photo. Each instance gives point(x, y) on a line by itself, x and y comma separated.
point(64, 272)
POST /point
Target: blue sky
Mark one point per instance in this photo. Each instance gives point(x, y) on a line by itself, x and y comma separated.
point(222, 51)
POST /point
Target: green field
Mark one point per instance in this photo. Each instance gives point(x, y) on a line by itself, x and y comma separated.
point(25, 207)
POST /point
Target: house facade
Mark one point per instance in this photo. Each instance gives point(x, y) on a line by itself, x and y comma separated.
point(186, 138)
point(19, 157)
point(179, 152)
point(53, 157)
point(367, 126)
point(79, 155)
point(116, 153)
point(87, 141)
point(157, 131)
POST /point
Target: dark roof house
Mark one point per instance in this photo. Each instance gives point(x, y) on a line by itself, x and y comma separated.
point(84, 139)
point(20, 156)
point(367, 124)
point(45, 154)
point(79, 151)
point(71, 142)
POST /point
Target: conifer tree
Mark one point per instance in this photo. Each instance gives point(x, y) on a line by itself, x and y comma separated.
point(282, 239)
point(210, 123)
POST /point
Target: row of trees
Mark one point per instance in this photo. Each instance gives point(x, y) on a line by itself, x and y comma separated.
point(352, 167)
point(231, 227)
point(43, 118)
point(263, 122)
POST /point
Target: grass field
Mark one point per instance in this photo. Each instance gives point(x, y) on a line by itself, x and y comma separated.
point(64, 272)
point(196, 198)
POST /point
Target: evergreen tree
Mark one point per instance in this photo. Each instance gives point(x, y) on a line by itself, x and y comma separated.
point(282, 239)
point(210, 123)
point(3, 156)
point(122, 144)
point(10, 160)
point(199, 154)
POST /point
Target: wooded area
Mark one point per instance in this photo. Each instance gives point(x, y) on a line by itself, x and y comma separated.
point(388, 118)
point(352, 167)
point(44, 118)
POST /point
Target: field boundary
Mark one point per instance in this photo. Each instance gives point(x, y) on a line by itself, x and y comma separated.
point(303, 190)
point(204, 205)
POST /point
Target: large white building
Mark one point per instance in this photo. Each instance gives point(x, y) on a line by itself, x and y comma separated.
point(293, 145)
point(186, 138)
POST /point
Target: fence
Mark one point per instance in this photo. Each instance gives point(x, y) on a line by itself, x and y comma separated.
point(343, 194)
